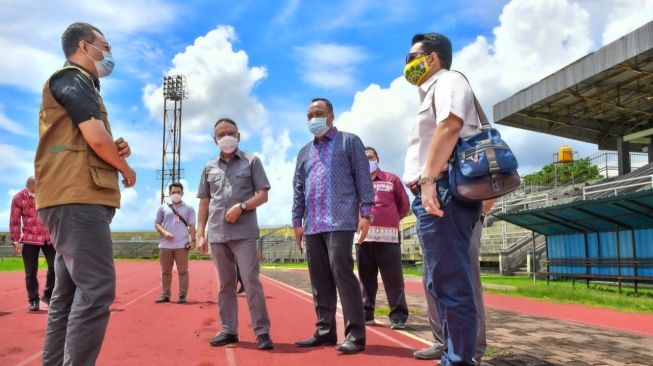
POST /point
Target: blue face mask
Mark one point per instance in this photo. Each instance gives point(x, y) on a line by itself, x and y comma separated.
point(105, 66)
point(318, 126)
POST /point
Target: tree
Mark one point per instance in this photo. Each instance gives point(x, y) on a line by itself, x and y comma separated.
point(579, 171)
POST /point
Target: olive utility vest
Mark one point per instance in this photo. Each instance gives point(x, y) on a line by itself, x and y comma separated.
point(67, 170)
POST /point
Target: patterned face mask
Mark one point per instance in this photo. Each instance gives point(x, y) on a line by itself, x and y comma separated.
point(415, 70)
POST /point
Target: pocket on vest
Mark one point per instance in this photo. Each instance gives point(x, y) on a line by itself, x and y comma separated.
point(104, 175)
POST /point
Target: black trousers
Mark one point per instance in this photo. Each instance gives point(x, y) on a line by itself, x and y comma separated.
point(31, 264)
point(385, 257)
point(331, 268)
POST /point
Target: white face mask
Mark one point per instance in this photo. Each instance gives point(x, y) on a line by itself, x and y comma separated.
point(104, 66)
point(228, 144)
point(176, 198)
point(374, 165)
point(32, 194)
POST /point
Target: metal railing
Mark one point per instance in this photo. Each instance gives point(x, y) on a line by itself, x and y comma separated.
point(616, 186)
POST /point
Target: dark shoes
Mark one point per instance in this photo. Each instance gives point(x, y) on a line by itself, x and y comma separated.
point(33, 305)
point(431, 353)
point(316, 341)
point(369, 320)
point(46, 299)
point(264, 342)
point(241, 289)
point(349, 347)
point(398, 324)
point(182, 299)
point(162, 298)
point(226, 338)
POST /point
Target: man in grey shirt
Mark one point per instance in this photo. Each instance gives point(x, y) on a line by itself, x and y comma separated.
point(231, 187)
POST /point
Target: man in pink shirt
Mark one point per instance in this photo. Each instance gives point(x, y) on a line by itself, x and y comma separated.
point(29, 236)
point(381, 249)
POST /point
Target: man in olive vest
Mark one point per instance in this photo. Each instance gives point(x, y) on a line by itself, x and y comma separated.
point(76, 164)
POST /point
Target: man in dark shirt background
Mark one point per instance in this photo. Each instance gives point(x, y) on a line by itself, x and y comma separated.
point(76, 164)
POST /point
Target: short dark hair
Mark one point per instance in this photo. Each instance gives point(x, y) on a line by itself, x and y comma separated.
point(369, 148)
point(176, 184)
point(227, 120)
point(438, 43)
point(326, 101)
point(77, 32)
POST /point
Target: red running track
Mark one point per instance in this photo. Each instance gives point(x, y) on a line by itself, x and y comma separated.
point(641, 324)
point(144, 333)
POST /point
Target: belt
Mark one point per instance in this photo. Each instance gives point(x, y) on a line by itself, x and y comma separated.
point(415, 188)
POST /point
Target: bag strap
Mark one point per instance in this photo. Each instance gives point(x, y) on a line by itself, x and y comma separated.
point(177, 213)
point(479, 110)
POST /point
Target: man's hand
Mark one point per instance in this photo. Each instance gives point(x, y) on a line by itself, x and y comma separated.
point(233, 214)
point(168, 235)
point(128, 176)
point(299, 235)
point(124, 151)
point(18, 247)
point(191, 245)
point(363, 229)
point(430, 200)
point(202, 244)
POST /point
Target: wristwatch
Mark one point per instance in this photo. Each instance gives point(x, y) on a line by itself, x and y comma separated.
point(426, 180)
point(369, 218)
point(243, 206)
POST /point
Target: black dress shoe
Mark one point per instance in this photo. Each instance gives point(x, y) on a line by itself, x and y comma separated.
point(33, 305)
point(315, 341)
point(264, 342)
point(162, 298)
point(223, 339)
point(349, 347)
point(182, 299)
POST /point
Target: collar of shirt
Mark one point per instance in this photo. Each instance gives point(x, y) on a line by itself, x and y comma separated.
point(424, 88)
point(238, 154)
point(96, 81)
point(380, 175)
point(25, 194)
point(329, 135)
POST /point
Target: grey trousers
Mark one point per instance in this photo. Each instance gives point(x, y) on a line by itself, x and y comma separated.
point(226, 256)
point(434, 319)
point(331, 268)
point(85, 284)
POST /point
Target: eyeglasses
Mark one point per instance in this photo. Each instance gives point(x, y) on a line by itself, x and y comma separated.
point(413, 55)
point(107, 47)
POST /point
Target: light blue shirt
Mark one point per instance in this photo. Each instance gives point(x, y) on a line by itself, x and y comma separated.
point(172, 224)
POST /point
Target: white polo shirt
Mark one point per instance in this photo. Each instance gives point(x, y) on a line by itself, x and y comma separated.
point(452, 94)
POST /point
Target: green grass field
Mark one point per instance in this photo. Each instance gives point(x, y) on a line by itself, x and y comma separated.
point(600, 295)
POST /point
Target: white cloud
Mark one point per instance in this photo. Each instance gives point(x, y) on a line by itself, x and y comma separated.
point(626, 16)
point(220, 84)
point(287, 12)
point(17, 165)
point(329, 66)
point(533, 40)
point(382, 118)
point(32, 44)
point(14, 127)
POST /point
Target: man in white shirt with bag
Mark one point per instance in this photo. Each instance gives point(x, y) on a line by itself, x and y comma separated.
point(444, 223)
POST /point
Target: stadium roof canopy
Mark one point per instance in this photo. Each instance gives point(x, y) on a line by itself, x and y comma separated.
point(628, 211)
point(599, 99)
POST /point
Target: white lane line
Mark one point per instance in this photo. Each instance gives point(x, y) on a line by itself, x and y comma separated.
point(37, 355)
point(309, 298)
point(231, 356)
point(29, 359)
point(117, 282)
point(136, 299)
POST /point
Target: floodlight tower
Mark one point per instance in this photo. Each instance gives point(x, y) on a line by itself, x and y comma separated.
point(174, 92)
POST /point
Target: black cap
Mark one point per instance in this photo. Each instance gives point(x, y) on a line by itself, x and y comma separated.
point(438, 43)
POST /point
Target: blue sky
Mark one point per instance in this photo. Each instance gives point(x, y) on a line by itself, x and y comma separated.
point(260, 62)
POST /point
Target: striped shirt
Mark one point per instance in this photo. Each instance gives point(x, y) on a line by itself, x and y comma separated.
point(332, 184)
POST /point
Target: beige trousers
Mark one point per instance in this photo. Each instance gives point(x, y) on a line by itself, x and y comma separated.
point(180, 257)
